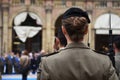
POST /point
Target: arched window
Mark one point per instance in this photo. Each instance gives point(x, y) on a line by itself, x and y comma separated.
point(27, 32)
point(106, 27)
point(105, 21)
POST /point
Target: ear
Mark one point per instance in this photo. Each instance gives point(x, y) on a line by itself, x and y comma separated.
point(55, 46)
point(64, 30)
point(57, 41)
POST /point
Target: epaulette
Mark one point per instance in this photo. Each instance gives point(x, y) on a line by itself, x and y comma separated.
point(50, 54)
point(100, 52)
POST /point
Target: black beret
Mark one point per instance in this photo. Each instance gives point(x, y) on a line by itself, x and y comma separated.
point(75, 12)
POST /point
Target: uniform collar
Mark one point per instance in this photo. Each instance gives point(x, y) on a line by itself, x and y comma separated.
point(77, 45)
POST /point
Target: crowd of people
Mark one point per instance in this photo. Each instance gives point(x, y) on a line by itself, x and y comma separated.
point(72, 59)
point(20, 62)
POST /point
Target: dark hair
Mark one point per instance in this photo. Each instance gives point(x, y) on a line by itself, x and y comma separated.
point(61, 37)
point(75, 27)
point(26, 52)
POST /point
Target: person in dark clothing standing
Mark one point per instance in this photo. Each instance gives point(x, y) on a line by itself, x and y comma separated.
point(25, 65)
point(34, 64)
point(116, 45)
point(9, 63)
point(2, 63)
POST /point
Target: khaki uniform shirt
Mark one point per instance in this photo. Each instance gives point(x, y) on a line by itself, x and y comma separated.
point(77, 62)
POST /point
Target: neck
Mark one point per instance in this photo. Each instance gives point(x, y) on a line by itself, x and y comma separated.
point(70, 41)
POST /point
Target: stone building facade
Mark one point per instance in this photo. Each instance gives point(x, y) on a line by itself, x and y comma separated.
point(49, 12)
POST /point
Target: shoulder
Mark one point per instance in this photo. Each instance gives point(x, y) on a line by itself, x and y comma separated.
point(102, 57)
point(24, 57)
point(50, 54)
point(48, 58)
point(100, 52)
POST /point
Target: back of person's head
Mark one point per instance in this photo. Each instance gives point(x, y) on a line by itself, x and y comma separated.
point(75, 22)
point(116, 42)
point(25, 52)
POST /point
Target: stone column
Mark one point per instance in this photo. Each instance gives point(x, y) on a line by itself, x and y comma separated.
point(5, 40)
point(0, 30)
point(10, 38)
point(91, 32)
point(48, 36)
point(44, 38)
point(89, 9)
point(90, 37)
